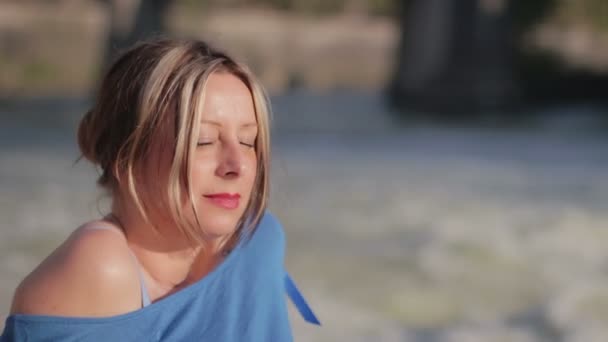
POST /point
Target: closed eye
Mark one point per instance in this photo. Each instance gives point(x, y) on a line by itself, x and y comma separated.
point(204, 143)
point(248, 145)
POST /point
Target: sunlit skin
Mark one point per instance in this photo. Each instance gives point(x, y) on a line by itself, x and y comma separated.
point(224, 162)
point(99, 261)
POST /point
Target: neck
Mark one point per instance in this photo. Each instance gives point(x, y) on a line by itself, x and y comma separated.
point(169, 259)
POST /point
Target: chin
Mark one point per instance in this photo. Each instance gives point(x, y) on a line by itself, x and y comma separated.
point(219, 224)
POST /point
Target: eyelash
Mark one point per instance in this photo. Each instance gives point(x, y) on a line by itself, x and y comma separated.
point(210, 143)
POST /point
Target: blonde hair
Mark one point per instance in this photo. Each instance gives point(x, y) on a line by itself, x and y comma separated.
point(158, 83)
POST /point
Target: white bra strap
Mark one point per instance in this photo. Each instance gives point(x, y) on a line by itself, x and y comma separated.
point(145, 297)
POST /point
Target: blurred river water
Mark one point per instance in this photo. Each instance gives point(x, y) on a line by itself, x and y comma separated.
point(416, 233)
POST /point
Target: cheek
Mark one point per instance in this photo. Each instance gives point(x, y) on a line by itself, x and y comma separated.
point(251, 169)
point(203, 171)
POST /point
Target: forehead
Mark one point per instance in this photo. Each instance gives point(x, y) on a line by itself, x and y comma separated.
point(227, 98)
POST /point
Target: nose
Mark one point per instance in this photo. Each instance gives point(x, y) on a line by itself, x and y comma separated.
point(230, 163)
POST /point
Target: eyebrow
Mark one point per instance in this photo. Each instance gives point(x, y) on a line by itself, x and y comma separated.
point(215, 123)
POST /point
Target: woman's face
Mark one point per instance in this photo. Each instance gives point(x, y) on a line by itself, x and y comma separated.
point(224, 163)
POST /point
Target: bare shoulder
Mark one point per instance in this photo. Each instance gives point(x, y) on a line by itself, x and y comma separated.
point(91, 274)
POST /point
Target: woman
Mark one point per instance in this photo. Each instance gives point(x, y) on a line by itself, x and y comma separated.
point(188, 252)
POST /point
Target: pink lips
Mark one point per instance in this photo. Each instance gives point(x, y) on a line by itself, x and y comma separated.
point(224, 200)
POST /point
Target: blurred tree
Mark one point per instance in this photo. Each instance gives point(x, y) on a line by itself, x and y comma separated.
point(131, 21)
point(527, 14)
point(548, 78)
point(458, 56)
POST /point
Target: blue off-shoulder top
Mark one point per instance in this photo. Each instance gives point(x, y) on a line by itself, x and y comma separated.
point(242, 299)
